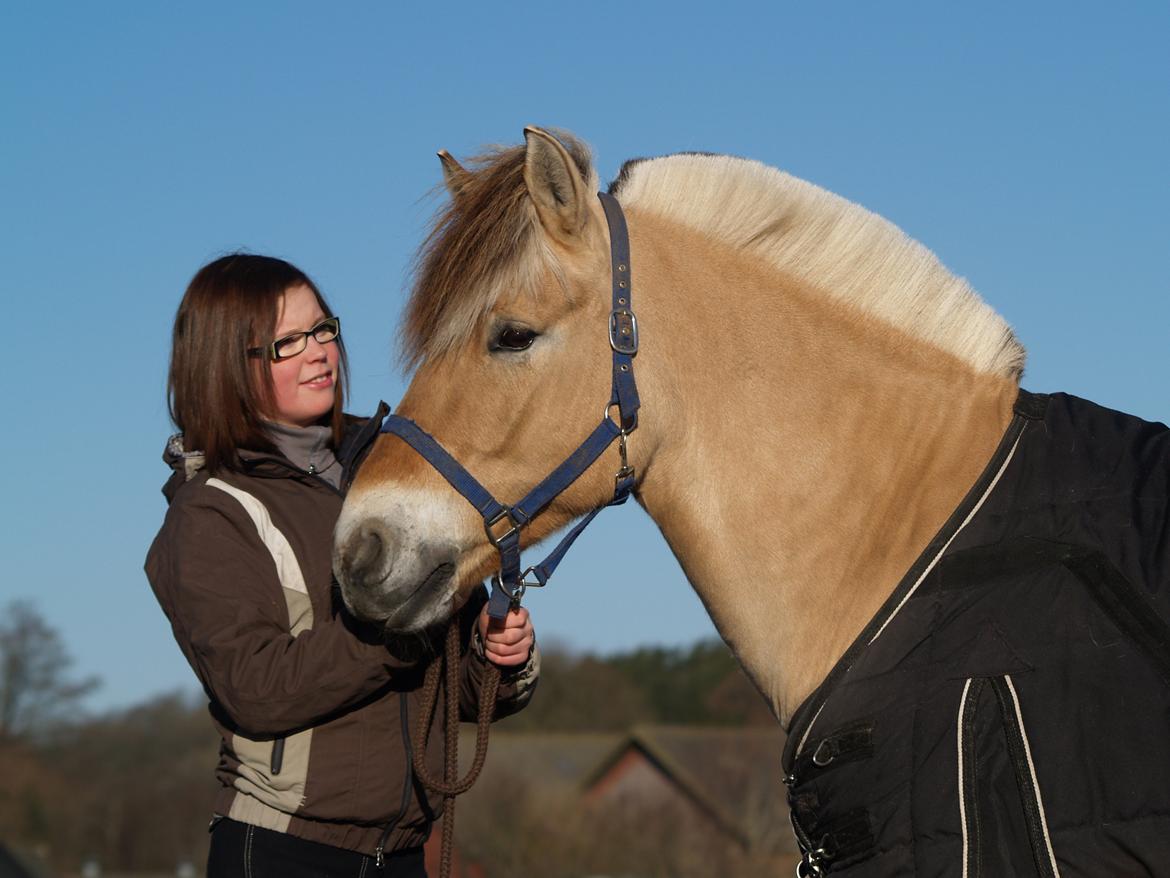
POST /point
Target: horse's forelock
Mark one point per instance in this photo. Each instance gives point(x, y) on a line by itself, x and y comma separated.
point(482, 242)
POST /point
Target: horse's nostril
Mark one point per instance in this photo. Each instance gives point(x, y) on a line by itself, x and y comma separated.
point(366, 555)
point(367, 551)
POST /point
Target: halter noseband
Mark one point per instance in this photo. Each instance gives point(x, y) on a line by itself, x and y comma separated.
point(504, 523)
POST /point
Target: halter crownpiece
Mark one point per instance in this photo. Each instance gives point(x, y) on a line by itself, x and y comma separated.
point(503, 523)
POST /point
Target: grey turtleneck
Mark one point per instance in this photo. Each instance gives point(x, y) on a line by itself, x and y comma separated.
point(308, 448)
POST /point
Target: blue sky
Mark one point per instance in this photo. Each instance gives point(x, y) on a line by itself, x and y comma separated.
point(1026, 144)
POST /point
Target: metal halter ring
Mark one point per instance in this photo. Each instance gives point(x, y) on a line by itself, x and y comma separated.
point(524, 583)
point(514, 595)
point(527, 583)
point(626, 470)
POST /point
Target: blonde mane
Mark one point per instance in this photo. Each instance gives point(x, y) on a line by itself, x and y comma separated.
point(835, 245)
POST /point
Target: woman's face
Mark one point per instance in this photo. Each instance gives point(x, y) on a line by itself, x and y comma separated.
point(303, 385)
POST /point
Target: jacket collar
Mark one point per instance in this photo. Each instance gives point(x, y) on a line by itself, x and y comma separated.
point(356, 442)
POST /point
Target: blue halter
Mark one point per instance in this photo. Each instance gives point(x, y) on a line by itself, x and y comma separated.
point(504, 523)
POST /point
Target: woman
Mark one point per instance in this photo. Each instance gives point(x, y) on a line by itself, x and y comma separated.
point(314, 711)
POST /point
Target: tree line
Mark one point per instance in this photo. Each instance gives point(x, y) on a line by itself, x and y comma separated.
point(132, 788)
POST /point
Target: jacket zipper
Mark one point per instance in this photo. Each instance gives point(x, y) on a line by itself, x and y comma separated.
point(277, 756)
point(407, 784)
point(316, 477)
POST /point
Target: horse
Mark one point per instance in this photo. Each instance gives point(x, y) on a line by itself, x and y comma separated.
point(831, 437)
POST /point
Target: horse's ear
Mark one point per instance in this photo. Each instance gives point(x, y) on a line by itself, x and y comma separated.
point(454, 174)
point(555, 185)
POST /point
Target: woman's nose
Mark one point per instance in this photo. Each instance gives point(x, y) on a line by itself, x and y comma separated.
point(315, 350)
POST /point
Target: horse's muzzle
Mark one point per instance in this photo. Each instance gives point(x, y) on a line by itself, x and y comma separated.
point(389, 578)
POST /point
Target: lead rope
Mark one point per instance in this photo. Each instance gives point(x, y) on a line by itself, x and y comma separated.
point(450, 786)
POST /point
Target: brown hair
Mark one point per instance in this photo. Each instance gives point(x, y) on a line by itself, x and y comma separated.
point(216, 396)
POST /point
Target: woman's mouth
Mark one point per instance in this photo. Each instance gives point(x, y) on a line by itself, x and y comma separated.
point(319, 382)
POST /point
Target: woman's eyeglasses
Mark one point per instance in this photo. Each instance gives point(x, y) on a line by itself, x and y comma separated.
point(290, 345)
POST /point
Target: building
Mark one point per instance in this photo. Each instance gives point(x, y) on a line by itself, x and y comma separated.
point(709, 800)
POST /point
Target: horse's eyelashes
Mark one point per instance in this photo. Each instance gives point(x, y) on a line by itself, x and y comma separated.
point(514, 338)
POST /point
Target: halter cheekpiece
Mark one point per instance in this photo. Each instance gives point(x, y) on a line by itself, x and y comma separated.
point(503, 523)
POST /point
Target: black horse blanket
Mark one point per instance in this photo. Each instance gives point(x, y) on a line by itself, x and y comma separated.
point(1007, 712)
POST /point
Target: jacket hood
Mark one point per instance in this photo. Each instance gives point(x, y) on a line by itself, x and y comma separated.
point(186, 465)
point(183, 463)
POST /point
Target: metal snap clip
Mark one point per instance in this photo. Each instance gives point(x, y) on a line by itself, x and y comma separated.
point(824, 754)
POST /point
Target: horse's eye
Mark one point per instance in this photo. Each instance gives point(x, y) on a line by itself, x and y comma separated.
point(514, 338)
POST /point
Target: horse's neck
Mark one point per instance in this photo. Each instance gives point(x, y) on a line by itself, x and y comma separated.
point(801, 455)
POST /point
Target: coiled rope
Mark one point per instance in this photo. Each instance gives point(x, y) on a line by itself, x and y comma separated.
point(450, 786)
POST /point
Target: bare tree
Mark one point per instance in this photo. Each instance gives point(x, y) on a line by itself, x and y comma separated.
point(35, 687)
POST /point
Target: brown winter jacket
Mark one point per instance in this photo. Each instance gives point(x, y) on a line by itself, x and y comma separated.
point(314, 712)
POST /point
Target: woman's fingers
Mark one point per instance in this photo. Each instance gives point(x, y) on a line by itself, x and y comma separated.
point(506, 636)
point(507, 641)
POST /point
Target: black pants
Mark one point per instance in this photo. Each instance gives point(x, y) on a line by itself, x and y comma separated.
point(242, 851)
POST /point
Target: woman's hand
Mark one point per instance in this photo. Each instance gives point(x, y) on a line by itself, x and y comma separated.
point(507, 642)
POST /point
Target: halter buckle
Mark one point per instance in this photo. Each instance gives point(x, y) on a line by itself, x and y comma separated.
point(623, 331)
point(489, 523)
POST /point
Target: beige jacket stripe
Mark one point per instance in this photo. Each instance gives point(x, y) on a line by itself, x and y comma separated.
point(263, 798)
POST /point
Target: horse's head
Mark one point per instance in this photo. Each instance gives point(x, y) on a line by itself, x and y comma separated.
point(507, 328)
